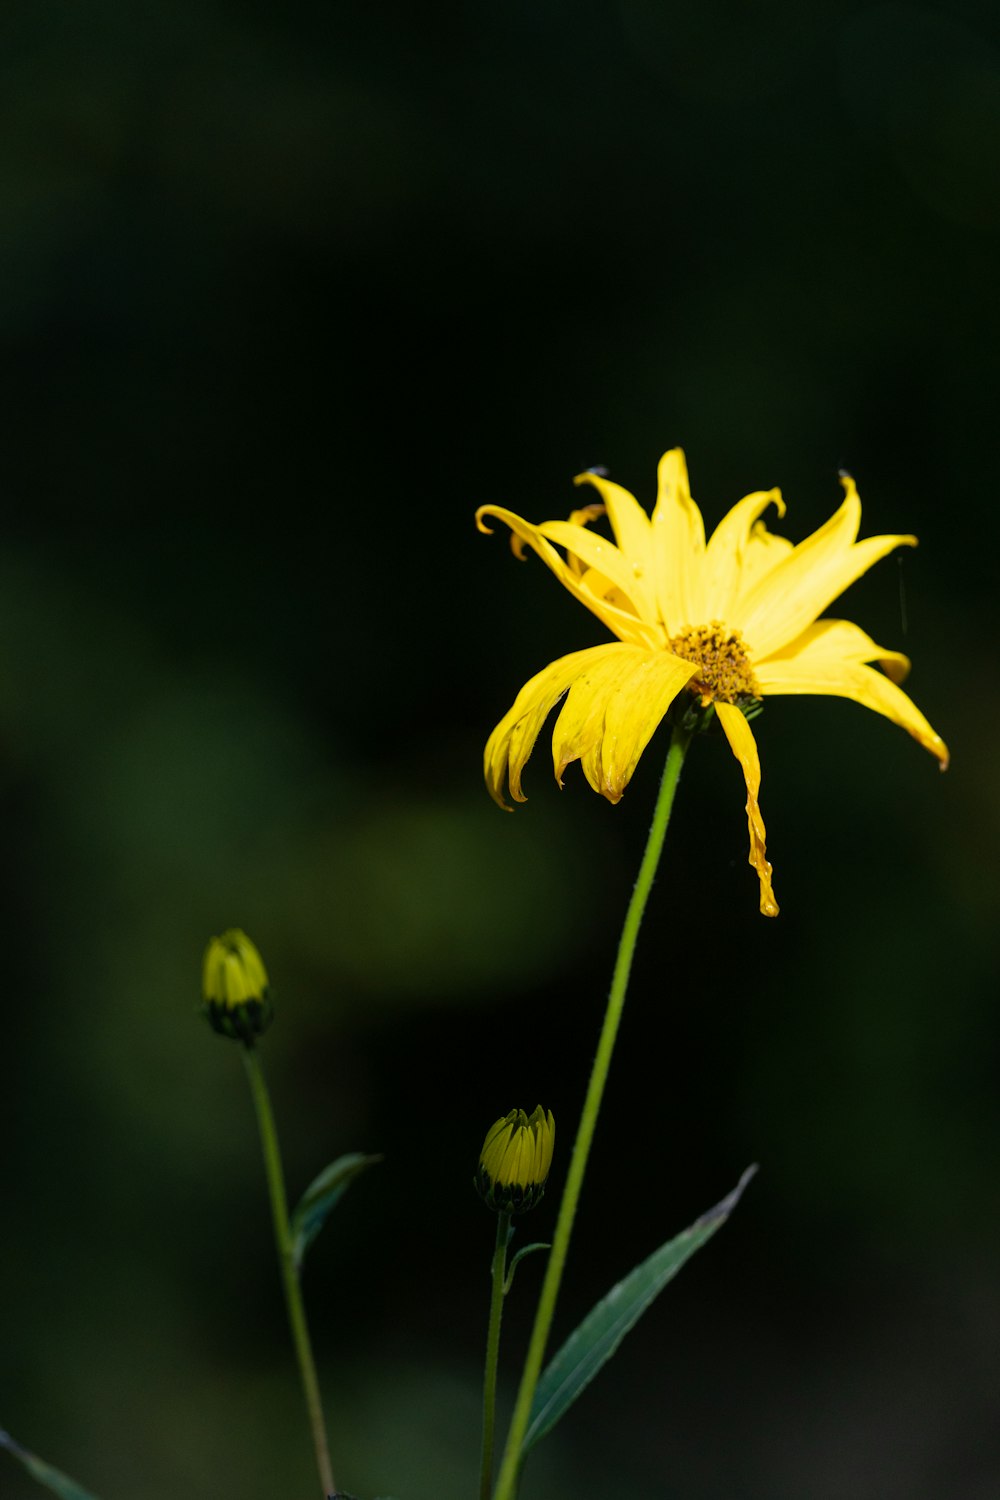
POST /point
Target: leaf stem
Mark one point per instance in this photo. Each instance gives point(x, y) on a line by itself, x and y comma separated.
point(499, 1274)
point(286, 1258)
point(511, 1463)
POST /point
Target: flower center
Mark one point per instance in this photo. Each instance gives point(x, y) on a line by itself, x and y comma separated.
point(724, 673)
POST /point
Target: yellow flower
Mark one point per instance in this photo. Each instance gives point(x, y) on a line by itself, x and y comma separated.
point(234, 987)
point(515, 1160)
point(729, 621)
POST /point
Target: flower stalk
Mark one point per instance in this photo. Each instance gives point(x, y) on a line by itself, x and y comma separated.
point(286, 1259)
point(499, 1276)
point(511, 1462)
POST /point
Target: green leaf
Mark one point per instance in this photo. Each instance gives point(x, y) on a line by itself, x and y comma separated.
point(607, 1323)
point(321, 1198)
point(53, 1479)
point(526, 1250)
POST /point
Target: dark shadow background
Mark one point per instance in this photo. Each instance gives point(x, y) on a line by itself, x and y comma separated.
point(284, 293)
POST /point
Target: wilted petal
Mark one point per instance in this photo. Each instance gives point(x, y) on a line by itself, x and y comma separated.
point(512, 741)
point(744, 747)
point(579, 729)
point(611, 713)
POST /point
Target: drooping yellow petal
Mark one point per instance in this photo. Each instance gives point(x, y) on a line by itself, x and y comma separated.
point(817, 571)
point(513, 739)
point(611, 712)
point(818, 668)
point(837, 641)
point(635, 712)
point(624, 623)
point(678, 547)
point(728, 547)
point(744, 747)
point(579, 728)
point(631, 527)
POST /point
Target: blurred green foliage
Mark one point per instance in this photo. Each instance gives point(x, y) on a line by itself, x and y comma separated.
point(283, 295)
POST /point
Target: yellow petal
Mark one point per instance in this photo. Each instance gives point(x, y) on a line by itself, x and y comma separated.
point(678, 547)
point(583, 517)
point(605, 589)
point(611, 712)
point(816, 670)
point(492, 1134)
point(744, 747)
point(630, 524)
point(511, 1168)
point(605, 558)
point(624, 623)
point(512, 741)
point(789, 598)
point(493, 1151)
point(761, 555)
point(729, 547)
point(546, 1143)
point(579, 728)
point(837, 641)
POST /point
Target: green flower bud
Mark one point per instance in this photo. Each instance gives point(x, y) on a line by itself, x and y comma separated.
point(235, 987)
point(515, 1160)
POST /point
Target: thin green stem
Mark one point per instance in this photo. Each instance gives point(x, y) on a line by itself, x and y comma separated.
point(511, 1463)
point(286, 1259)
point(499, 1273)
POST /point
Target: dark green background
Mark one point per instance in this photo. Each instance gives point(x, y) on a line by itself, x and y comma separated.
point(284, 293)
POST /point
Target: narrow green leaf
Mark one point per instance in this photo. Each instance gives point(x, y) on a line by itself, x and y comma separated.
point(602, 1330)
point(321, 1198)
point(525, 1250)
point(53, 1479)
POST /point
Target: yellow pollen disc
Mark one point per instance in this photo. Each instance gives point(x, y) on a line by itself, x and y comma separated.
point(725, 674)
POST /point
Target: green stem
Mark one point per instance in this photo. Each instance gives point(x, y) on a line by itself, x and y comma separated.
point(286, 1258)
point(499, 1272)
point(511, 1464)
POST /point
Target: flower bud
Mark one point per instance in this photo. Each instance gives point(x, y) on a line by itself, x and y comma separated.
point(235, 987)
point(515, 1160)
